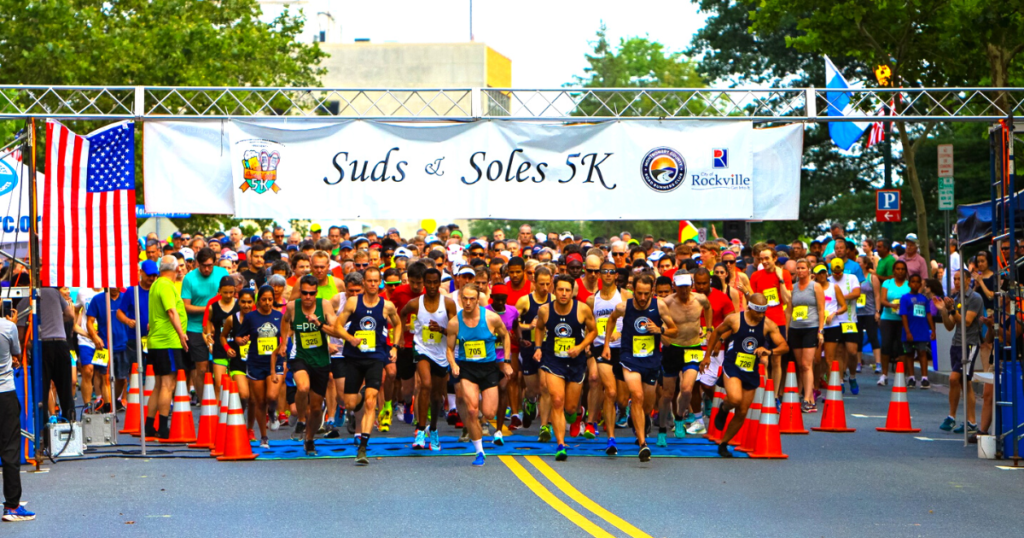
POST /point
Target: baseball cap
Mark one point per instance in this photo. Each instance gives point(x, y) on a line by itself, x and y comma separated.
point(402, 252)
point(465, 270)
point(656, 255)
point(345, 245)
point(432, 239)
point(541, 237)
point(187, 253)
point(255, 238)
point(176, 235)
point(392, 230)
point(820, 269)
point(315, 228)
point(564, 236)
point(228, 255)
point(292, 248)
point(836, 262)
point(445, 277)
point(912, 237)
point(361, 239)
point(682, 279)
point(149, 268)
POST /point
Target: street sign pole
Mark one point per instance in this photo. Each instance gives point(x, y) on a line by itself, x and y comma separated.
point(946, 198)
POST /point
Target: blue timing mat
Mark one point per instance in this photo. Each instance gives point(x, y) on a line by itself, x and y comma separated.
point(384, 447)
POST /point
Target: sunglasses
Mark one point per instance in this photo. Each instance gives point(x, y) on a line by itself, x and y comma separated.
point(729, 262)
point(593, 271)
point(361, 265)
point(308, 293)
point(617, 254)
point(608, 271)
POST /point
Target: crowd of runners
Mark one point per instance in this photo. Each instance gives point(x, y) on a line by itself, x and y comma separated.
point(328, 333)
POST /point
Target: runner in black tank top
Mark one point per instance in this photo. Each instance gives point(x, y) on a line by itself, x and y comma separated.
point(534, 403)
point(748, 334)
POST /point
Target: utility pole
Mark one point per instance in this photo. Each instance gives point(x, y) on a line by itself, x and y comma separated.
point(471, 20)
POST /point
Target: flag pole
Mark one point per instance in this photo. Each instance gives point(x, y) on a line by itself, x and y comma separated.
point(39, 399)
point(110, 368)
point(142, 377)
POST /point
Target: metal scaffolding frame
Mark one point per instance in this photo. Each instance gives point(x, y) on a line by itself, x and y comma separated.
point(463, 104)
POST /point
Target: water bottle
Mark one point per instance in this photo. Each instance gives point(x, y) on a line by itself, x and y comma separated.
point(252, 284)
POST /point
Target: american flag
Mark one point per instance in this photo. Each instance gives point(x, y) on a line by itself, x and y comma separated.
point(877, 133)
point(89, 237)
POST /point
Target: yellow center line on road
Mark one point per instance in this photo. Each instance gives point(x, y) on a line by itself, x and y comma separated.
point(539, 490)
point(583, 500)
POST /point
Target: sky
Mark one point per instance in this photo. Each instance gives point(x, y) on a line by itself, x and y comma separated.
point(546, 40)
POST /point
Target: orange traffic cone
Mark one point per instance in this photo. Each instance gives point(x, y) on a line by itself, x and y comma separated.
point(714, 434)
point(898, 419)
point(753, 419)
point(183, 430)
point(132, 412)
point(236, 446)
point(146, 391)
point(834, 417)
point(207, 416)
point(220, 436)
point(769, 442)
point(791, 420)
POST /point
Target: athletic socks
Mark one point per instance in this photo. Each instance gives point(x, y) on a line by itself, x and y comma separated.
point(363, 439)
point(479, 446)
point(451, 401)
point(570, 418)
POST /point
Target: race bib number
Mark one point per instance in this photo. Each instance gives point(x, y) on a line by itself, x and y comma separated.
point(799, 313)
point(391, 335)
point(74, 357)
point(772, 296)
point(849, 328)
point(311, 340)
point(862, 300)
point(693, 355)
point(643, 346)
point(101, 358)
point(266, 345)
point(602, 324)
point(896, 307)
point(431, 337)
point(145, 344)
point(244, 352)
point(563, 345)
point(919, 311)
point(475, 350)
point(368, 340)
point(745, 362)
point(412, 321)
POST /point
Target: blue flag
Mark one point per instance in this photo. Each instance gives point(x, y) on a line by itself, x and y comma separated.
point(844, 133)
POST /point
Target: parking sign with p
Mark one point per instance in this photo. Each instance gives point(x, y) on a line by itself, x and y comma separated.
point(887, 205)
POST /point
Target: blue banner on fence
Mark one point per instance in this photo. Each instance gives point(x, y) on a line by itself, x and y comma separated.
point(140, 213)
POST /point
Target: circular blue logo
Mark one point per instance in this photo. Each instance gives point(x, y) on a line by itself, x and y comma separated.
point(640, 325)
point(563, 330)
point(749, 344)
point(8, 178)
point(368, 323)
point(663, 169)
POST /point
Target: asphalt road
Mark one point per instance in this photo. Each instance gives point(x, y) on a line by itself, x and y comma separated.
point(856, 484)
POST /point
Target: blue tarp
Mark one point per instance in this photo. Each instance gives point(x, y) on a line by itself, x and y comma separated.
point(974, 221)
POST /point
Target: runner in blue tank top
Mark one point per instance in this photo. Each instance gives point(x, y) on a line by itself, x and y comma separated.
point(644, 319)
point(474, 331)
point(366, 351)
point(747, 334)
point(565, 329)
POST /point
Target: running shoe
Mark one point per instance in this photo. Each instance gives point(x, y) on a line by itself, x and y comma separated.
point(878, 368)
point(590, 432)
point(264, 443)
point(453, 416)
point(809, 407)
point(545, 434)
point(275, 424)
point(515, 423)
point(300, 431)
point(720, 417)
point(407, 415)
point(817, 394)
point(361, 458)
point(971, 428)
point(882, 381)
point(854, 387)
point(680, 430)
point(561, 454)
point(611, 449)
point(645, 454)
point(858, 367)
point(622, 417)
point(120, 406)
point(723, 450)
point(911, 382)
point(529, 412)
point(332, 434)
point(925, 384)
point(435, 441)
point(252, 434)
point(18, 514)
point(464, 438)
point(310, 449)
point(690, 417)
point(384, 419)
point(478, 461)
point(697, 428)
point(350, 422)
point(842, 387)
point(577, 425)
point(498, 439)
point(421, 440)
point(193, 398)
point(662, 440)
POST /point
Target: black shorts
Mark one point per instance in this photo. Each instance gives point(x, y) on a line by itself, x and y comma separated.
point(289, 393)
point(166, 361)
point(197, 351)
point(482, 374)
point(319, 376)
point(338, 367)
point(892, 337)
point(956, 354)
point(750, 380)
point(836, 335)
point(436, 370)
point(133, 353)
point(359, 370)
point(614, 362)
point(802, 338)
point(571, 370)
point(869, 326)
point(528, 366)
point(673, 360)
point(649, 376)
point(405, 365)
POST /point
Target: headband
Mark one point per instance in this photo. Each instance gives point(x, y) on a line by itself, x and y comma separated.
point(760, 308)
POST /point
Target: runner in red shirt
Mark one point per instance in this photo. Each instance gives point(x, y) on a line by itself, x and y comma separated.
point(589, 283)
point(406, 370)
point(721, 306)
point(518, 287)
point(769, 282)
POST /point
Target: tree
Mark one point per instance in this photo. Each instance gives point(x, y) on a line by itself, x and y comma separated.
point(152, 43)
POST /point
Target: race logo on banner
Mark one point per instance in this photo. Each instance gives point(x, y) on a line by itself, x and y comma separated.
point(260, 159)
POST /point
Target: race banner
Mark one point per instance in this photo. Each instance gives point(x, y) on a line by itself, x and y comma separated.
point(615, 170)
